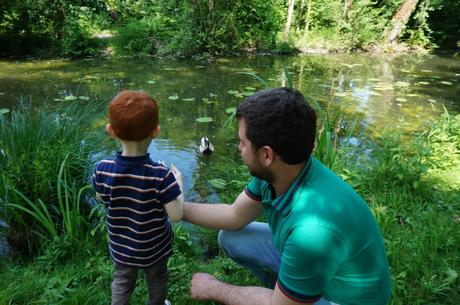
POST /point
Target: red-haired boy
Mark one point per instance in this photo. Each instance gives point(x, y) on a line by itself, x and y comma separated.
point(139, 195)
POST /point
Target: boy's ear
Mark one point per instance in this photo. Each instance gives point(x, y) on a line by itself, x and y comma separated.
point(155, 132)
point(110, 130)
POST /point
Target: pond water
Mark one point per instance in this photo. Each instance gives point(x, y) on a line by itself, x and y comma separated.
point(381, 91)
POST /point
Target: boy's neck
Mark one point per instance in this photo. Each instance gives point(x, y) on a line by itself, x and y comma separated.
point(135, 148)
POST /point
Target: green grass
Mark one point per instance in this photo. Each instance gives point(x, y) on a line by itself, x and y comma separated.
point(411, 186)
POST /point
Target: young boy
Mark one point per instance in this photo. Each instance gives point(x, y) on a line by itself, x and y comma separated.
point(140, 195)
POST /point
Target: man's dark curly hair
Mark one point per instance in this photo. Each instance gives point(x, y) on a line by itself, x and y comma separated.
point(282, 119)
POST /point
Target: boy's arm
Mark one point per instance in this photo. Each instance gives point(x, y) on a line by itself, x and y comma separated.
point(175, 208)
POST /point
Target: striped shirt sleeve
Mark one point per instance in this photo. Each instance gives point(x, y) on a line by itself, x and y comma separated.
point(170, 189)
point(97, 188)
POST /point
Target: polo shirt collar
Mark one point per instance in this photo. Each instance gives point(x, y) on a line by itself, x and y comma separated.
point(131, 161)
point(282, 204)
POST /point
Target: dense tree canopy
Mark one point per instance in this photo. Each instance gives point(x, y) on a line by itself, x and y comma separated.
point(186, 28)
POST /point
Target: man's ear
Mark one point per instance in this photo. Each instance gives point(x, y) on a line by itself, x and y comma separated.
point(267, 155)
point(155, 132)
point(110, 130)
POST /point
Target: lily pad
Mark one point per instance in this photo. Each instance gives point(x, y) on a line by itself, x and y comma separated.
point(70, 98)
point(173, 97)
point(383, 88)
point(233, 92)
point(4, 111)
point(204, 119)
point(402, 84)
point(351, 65)
point(188, 99)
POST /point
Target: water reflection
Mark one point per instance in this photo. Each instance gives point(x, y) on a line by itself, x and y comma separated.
point(185, 159)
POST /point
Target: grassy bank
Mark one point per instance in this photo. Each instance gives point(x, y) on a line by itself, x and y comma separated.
point(411, 185)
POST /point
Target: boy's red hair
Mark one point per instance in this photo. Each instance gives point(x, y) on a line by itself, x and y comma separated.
point(133, 115)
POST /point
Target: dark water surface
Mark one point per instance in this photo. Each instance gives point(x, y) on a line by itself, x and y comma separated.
point(385, 91)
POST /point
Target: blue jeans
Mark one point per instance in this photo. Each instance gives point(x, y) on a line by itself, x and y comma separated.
point(253, 248)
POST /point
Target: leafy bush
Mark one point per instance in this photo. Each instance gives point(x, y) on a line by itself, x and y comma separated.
point(78, 34)
point(135, 38)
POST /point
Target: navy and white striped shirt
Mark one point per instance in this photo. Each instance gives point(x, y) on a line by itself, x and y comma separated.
point(135, 190)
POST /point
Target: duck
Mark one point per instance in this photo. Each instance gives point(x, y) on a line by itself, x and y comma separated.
point(206, 147)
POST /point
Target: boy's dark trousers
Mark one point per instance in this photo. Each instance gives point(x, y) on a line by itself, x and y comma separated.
point(124, 282)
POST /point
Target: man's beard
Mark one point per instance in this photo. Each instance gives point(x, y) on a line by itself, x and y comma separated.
point(261, 173)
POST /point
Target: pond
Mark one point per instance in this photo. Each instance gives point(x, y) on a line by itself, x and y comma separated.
point(381, 91)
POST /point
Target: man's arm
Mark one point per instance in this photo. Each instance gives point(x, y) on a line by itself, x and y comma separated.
point(206, 287)
point(223, 216)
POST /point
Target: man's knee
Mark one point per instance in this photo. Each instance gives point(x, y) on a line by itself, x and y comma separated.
point(222, 239)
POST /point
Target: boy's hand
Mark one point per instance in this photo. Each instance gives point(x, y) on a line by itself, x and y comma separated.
point(177, 174)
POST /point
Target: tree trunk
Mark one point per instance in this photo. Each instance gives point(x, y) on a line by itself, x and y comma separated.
point(307, 19)
point(347, 9)
point(400, 19)
point(300, 15)
point(289, 19)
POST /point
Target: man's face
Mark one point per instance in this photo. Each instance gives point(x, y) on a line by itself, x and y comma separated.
point(250, 156)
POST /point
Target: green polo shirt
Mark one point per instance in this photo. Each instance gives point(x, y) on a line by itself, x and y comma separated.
point(329, 241)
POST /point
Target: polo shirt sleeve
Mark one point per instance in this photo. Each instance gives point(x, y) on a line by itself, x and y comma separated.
point(311, 257)
point(170, 189)
point(254, 190)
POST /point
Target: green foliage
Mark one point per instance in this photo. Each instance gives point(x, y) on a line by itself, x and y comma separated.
point(208, 28)
point(78, 34)
point(134, 38)
point(49, 27)
point(443, 141)
point(44, 199)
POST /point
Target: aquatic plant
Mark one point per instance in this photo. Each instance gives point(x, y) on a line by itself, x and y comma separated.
point(44, 162)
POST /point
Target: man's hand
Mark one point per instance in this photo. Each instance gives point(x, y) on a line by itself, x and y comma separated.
point(200, 285)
